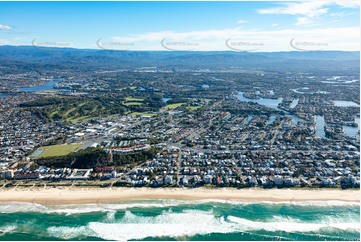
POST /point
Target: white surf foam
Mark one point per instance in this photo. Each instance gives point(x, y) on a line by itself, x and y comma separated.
point(291, 202)
point(65, 232)
point(18, 207)
point(189, 222)
point(7, 229)
point(111, 215)
point(192, 222)
point(15, 207)
point(168, 224)
point(291, 225)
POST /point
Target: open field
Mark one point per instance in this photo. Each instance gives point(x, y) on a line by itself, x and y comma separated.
point(81, 118)
point(56, 150)
point(133, 103)
point(134, 99)
point(193, 108)
point(144, 114)
point(174, 105)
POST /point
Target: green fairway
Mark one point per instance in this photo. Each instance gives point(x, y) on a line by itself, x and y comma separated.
point(144, 114)
point(132, 104)
point(66, 114)
point(70, 113)
point(56, 150)
point(174, 105)
point(193, 108)
point(134, 99)
point(78, 119)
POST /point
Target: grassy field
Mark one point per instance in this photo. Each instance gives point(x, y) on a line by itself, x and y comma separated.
point(134, 99)
point(132, 103)
point(81, 118)
point(174, 105)
point(143, 114)
point(193, 108)
point(57, 150)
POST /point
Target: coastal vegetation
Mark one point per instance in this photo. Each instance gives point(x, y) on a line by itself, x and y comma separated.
point(95, 157)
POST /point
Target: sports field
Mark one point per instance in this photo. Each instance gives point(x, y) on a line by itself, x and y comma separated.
point(55, 150)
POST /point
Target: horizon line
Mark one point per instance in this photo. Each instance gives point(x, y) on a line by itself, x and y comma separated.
point(165, 50)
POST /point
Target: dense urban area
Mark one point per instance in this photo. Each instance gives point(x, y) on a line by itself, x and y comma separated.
point(178, 125)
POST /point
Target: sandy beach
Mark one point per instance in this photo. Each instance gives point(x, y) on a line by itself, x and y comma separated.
point(114, 195)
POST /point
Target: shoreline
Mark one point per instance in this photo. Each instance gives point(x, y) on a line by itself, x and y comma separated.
point(59, 196)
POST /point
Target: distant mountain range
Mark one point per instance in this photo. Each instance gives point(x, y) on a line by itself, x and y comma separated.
point(292, 61)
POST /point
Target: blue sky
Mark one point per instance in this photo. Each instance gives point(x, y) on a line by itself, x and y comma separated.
point(243, 26)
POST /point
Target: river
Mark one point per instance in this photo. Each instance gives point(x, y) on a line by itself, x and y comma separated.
point(2, 95)
point(44, 87)
point(271, 103)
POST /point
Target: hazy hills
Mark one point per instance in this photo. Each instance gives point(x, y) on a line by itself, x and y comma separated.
point(275, 61)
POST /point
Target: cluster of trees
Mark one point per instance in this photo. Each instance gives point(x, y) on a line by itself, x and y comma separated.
point(177, 100)
point(41, 114)
point(41, 102)
point(87, 158)
point(95, 157)
point(135, 158)
point(154, 101)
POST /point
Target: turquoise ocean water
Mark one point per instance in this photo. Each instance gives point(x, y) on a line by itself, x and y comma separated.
point(181, 220)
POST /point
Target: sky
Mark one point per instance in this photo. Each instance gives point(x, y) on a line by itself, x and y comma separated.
point(198, 26)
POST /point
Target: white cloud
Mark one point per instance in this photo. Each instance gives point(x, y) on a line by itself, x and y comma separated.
point(4, 27)
point(241, 21)
point(304, 21)
point(274, 25)
point(341, 14)
point(347, 4)
point(346, 38)
point(309, 10)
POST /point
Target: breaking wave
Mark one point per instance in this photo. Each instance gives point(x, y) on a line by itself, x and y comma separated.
point(193, 222)
point(68, 233)
point(7, 229)
point(23, 207)
point(181, 219)
point(290, 225)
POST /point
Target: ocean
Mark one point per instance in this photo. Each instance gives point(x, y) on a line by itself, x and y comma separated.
point(181, 220)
